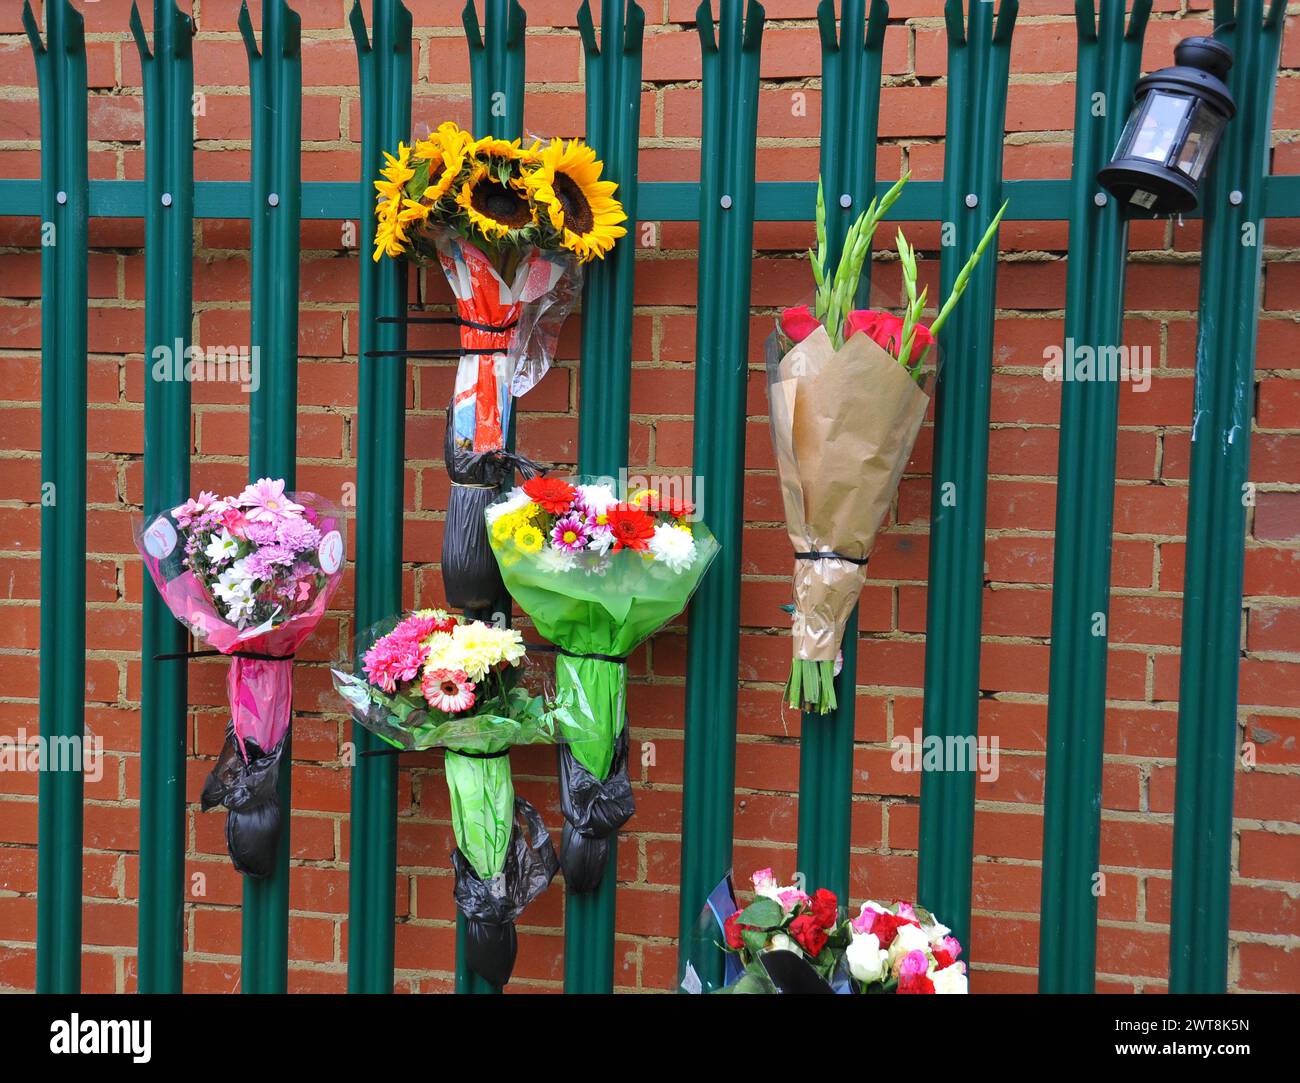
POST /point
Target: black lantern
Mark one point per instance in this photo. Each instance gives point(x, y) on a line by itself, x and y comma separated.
point(1178, 118)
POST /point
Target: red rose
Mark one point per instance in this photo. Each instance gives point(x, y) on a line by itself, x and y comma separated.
point(631, 526)
point(798, 323)
point(942, 958)
point(808, 934)
point(731, 928)
point(553, 495)
point(825, 907)
point(885, 927)
point(886, 330)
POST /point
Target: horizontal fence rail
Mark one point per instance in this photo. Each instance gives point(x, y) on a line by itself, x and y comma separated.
point(727, 201)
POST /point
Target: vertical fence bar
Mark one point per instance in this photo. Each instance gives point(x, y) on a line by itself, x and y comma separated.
point(1108, 60)
point(168, 74)
point(730, 54)
point(496, 65)
point(385, 68)
point(275, 84)
point(613, 127)
point(978, 61)
point(1216, 514)
point(851, 68)
point(61, 78)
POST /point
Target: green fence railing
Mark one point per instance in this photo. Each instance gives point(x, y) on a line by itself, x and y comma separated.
point(726, 202)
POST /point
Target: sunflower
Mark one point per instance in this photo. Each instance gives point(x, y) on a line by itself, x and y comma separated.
point(494, 209)
point(445, 150)
point(580, 206)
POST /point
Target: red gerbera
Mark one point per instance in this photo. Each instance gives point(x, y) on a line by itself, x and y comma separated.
point(808, 933)
point(553, 495)
point(631, 526)
point(825, 907)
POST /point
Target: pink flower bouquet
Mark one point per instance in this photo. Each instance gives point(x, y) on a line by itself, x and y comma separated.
point(251, 576)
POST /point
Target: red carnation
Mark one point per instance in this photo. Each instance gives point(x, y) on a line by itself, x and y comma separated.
point(553, 495)
point(731, 928)
point(825, 907)
point(915, 983)
point(808, 933)
point(886, 330)
point(798, 323)
point(631, 526)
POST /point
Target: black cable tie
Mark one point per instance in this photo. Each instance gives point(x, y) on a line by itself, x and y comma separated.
point(551, 648)
point(831, 554)
point(233, 654)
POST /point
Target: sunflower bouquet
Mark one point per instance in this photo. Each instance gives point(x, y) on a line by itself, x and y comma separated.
point(511, 226)
point(439, 681)
point(846, 401)
point(597, 575)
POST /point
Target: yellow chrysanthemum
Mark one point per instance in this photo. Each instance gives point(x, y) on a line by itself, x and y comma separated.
point(528, 538)
point(581, 207)
point(644, 494)
point(505, 526)
point(496, 210)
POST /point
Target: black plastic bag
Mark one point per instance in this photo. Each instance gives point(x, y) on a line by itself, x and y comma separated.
point(594, 809)
point(248, 792)
point(470, 575)
point(491, 907)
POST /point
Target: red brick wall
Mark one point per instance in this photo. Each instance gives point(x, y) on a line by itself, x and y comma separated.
point(1151, 501)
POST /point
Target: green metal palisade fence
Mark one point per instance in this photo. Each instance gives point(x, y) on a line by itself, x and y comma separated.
point(851, 63)
point(726, 202)
point(168, 73)
point(1216, 510)
point(978, 58)
point(385, 65)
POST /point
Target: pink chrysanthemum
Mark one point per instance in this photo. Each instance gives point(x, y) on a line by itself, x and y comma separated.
point(448, 690)
point(392, 660)
point(570, 533)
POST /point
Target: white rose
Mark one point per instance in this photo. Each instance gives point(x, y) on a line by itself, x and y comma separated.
point(951, 979)
point(866, 959)
point(937, 932)
point(908, 939)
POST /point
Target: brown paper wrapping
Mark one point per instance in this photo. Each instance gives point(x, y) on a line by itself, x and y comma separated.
point(843, 425)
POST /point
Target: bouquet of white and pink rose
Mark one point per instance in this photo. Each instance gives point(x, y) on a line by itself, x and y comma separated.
point(251, 575)
point(790, 942)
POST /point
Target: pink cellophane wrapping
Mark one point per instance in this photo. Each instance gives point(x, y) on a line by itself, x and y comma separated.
point(260, 691)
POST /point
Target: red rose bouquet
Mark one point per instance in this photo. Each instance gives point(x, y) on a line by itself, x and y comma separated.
point(846, 398)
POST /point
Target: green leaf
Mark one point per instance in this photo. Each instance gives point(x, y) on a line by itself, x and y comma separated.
point(763, 913)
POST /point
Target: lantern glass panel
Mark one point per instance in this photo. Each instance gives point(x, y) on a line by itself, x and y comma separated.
point(1153, 133)
point(1202, 136)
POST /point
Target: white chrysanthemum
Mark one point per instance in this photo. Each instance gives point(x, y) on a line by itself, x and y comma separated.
point(674, 546)
point(222, 548)
point(597, 499)
point(556, 560)
point(516, 500)
point(442, 652)
point(600, 541)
